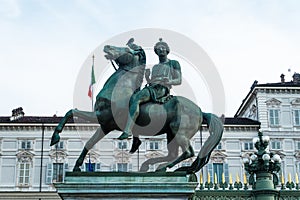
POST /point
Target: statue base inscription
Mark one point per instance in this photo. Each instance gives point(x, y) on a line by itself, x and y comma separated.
point(126, 185)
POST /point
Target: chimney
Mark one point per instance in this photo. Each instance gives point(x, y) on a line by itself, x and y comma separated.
point(17, 114)
point(282, 78)
point(296, 78)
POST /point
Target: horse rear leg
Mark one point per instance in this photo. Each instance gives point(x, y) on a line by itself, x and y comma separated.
point(172, 154)
point(183, 140)
point(98, 135)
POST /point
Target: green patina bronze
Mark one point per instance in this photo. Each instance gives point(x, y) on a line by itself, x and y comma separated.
point(165, 74)
point(178, 118)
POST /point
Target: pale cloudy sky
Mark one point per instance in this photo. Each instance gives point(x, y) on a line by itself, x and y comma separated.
point(43, 43)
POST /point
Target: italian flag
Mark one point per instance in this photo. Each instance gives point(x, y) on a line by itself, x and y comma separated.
point(93, 81)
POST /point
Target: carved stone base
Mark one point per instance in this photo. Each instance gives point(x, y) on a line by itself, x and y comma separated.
point(123, 185)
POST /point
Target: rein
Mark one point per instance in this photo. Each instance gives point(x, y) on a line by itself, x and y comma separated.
point(113, 65)
point(121, 68)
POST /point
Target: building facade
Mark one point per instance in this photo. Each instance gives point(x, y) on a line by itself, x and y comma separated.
point(29, 164)
point(277, 107)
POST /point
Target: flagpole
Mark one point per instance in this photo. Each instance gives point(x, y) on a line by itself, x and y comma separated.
point(93, 84)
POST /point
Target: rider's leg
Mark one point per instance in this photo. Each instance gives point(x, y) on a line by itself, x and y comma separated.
point(134, 111)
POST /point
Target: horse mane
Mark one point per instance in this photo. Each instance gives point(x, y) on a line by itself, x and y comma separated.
point(141, 69)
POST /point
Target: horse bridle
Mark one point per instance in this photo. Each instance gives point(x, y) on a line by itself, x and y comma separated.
point(113, 64)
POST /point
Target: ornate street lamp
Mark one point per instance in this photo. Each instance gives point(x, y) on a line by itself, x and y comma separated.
point(263, 167)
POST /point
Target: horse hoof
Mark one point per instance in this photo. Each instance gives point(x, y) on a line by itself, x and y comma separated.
point(76, 169)
point(55, 138)
point(135, 145)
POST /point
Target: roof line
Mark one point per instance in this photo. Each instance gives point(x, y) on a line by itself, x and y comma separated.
point(254, 87)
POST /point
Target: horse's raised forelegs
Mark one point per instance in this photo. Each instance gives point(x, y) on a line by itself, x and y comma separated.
point(98, 135)
point(172, 154)
point(91, 116)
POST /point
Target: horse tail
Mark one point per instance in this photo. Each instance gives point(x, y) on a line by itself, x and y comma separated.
point(215, 128)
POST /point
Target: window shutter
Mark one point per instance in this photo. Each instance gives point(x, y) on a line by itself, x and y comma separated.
point(29, 145)
point(98, 167)
point(226, 172)
point(49, 173)
point(20, 144)
point(66, 168)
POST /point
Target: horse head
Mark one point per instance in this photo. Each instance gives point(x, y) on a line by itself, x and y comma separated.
point(123, 56)
point(131, 62)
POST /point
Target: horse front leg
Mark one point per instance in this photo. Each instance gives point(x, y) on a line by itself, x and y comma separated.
point(91, 116)
point(98, 135)
point(55, 136)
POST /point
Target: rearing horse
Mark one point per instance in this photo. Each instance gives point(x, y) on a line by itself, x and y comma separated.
point(179, 117)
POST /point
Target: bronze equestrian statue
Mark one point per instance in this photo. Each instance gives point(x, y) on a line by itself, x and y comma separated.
point(178, 118)
point(164, 74)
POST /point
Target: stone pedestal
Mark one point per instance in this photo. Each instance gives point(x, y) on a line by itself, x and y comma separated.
point(126, 185)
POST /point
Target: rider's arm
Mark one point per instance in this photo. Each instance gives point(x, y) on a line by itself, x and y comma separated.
point(175, 74)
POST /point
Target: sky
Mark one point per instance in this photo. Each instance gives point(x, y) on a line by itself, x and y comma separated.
point(44, 43)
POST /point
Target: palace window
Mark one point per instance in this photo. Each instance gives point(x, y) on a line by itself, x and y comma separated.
point(297, 117)
point(92, 167)
point(122, 167)
point(26, 144)
point(122, 144)
point(275, 145)
point(248, 145)
point(218, 169)
point(153, 145)
point(59, 145)
point(56, 172)
point(274, 117)
point(24, 174)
